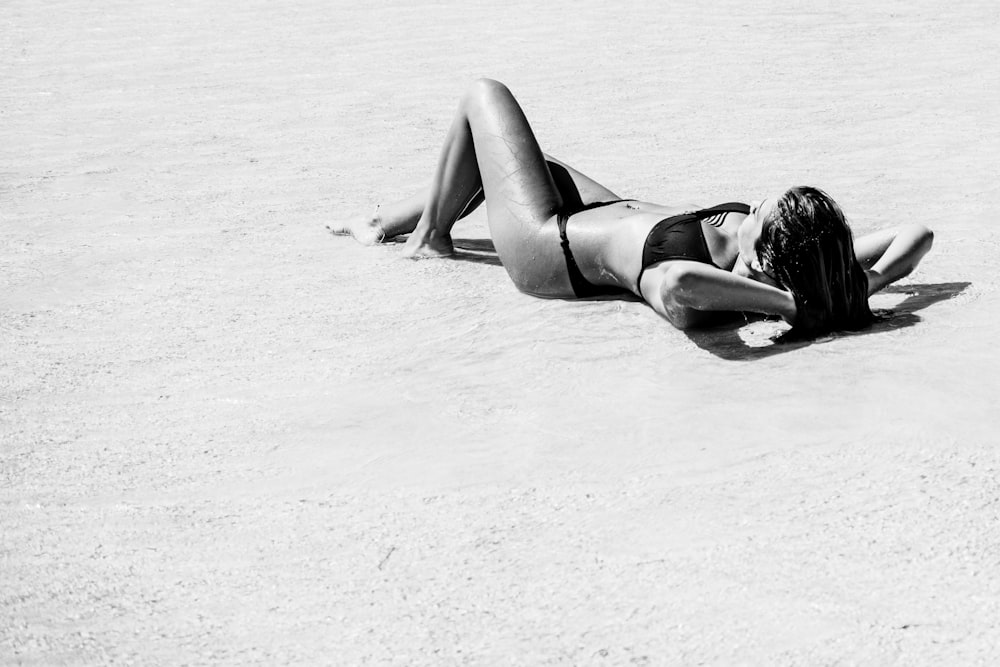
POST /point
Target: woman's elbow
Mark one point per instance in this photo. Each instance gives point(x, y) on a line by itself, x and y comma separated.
point(678, 297)
point(923, 237)
point(680, 286)
point(926, 237)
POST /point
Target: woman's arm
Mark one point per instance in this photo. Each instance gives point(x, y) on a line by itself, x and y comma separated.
point(890, 254)
point(684, 290)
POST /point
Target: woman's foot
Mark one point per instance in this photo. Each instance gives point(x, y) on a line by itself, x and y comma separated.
point(426, 245)
point(366, 229)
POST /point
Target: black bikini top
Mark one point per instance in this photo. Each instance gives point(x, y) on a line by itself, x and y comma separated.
point(681, 237)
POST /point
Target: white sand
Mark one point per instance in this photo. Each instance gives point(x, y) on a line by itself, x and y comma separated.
point(230, 438)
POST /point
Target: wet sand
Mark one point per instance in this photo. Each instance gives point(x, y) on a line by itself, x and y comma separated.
point(228, 437)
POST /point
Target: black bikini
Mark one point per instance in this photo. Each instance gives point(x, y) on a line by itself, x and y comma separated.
point(681, 236)
point(582, 287)
point(676, 237)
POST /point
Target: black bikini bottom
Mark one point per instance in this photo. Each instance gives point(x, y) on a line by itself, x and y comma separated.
point(582, 287)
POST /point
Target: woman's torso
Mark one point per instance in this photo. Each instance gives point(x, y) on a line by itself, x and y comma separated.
point(608, 240)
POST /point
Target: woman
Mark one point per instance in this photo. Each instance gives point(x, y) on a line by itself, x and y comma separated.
point(561, 234)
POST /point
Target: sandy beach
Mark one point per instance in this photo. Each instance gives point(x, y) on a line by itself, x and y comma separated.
point(227, 437)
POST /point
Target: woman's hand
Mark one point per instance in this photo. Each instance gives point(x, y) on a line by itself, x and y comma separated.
point(744, 270)
point(893, 253)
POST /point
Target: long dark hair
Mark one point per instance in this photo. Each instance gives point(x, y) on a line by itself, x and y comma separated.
point(810, 250)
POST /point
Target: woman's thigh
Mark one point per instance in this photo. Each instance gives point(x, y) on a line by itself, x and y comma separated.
point(522, 198)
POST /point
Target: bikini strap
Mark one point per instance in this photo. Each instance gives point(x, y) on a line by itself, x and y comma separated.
point(729, 207)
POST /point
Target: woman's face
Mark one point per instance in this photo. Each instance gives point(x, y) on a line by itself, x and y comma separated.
point(748, 233)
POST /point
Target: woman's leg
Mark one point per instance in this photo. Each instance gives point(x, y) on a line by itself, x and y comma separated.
point(490, 146)
point(401, 217)
point(397, 218)
point(578, 189)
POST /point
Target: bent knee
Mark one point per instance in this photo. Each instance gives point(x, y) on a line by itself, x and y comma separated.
point(484, 89)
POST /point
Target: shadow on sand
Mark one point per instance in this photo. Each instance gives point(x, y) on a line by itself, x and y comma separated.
point(724, 341)
point(479, 251)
